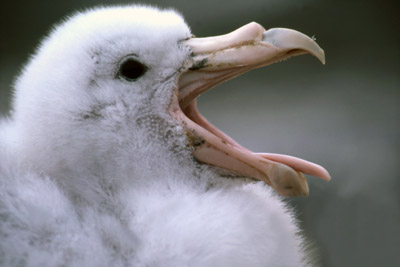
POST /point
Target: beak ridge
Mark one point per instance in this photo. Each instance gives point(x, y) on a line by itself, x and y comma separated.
point(251, 45)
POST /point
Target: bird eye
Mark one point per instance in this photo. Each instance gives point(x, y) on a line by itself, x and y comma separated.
point(131, 69)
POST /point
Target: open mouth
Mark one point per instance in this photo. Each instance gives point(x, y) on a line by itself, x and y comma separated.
point(220, 58)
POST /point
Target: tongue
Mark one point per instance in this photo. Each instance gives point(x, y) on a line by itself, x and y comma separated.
point(299, 165)
point(214, 147)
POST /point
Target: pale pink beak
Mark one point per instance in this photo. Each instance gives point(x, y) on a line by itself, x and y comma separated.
point(216, 59)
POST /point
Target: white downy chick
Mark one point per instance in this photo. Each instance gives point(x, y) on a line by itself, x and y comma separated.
point(105, 160)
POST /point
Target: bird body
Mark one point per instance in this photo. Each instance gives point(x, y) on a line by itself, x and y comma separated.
point(95, 171)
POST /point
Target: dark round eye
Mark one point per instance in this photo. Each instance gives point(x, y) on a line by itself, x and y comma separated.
point(131, 69)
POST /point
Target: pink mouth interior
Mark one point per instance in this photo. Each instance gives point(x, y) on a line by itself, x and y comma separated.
point(297, 164)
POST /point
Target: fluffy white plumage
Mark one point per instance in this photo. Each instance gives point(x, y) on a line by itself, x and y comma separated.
point(94, 172)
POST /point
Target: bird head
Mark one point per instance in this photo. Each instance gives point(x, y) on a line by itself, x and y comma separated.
point(113, 90)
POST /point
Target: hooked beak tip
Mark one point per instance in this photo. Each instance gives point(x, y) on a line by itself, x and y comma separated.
point(290, 39)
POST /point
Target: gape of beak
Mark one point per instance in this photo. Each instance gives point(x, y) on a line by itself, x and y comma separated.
point(218, 59)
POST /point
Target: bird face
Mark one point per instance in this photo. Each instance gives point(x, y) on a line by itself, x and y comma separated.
point(95, 95)
point(112, 87)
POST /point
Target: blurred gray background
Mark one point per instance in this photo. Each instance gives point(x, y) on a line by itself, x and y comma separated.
point(344, 115)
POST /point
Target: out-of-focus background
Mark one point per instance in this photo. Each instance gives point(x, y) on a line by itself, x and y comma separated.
point(344, 115)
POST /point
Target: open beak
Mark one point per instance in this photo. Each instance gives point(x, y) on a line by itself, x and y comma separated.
point(217, 59)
